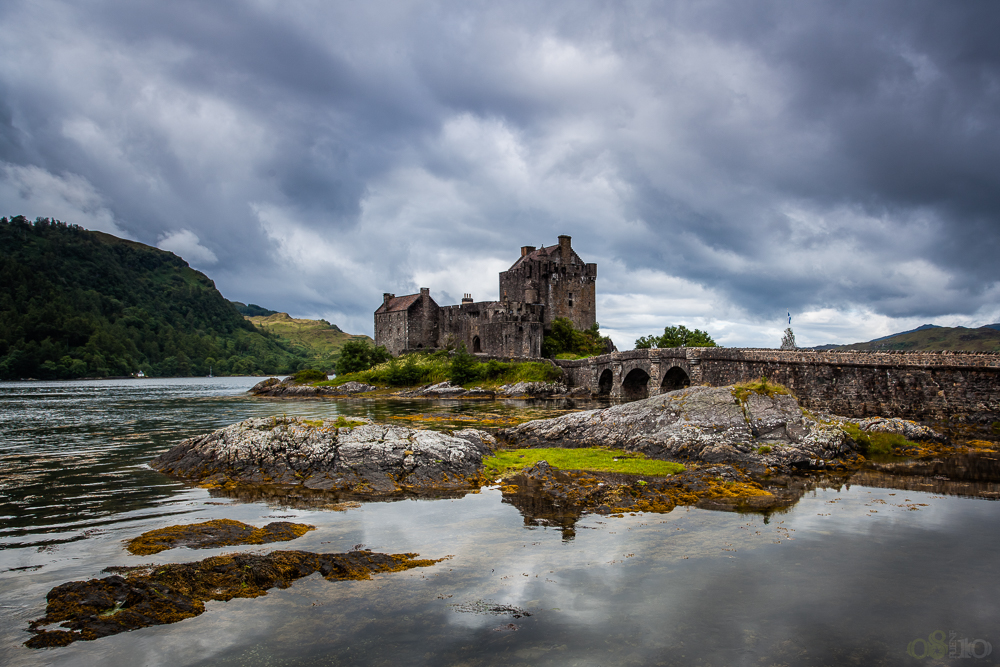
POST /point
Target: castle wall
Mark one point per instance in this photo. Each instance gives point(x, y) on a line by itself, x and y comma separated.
point(512, 329)
point(391, 331)
point(424, 317)
point(572, 293)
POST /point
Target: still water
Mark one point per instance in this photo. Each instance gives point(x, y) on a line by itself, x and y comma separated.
point(852, 574)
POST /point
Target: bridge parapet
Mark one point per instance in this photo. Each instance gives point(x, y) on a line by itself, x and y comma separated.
point(964, 386)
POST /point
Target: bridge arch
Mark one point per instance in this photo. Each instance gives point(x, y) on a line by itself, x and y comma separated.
point(635, 385)
point(606, 382)
point(674, 379)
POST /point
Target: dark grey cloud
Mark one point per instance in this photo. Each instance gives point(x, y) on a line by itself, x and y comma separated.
point(722, 161)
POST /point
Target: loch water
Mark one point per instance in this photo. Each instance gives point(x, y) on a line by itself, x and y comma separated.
point(869, 570)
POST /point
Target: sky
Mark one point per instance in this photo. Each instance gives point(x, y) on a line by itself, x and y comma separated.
point(724, 163)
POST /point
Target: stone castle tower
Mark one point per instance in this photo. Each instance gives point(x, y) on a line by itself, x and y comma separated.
point(542, 285)
point(556, 278)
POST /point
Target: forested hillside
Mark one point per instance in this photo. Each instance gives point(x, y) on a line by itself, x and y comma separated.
point(77, 303)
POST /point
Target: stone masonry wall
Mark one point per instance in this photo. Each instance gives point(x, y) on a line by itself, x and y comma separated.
point(916, 385)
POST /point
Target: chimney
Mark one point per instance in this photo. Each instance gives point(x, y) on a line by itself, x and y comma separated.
point(527, 250)
point(466, 298)
point(386, 298)
point(425, 291)
point(564, 250)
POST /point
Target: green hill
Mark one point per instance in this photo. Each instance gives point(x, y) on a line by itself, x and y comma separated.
point(318, 341)
point(932, 338)
point(77, 303)
point(253, 310)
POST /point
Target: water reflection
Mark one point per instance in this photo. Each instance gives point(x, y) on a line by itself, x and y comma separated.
point(851, 573)
point(73, 454)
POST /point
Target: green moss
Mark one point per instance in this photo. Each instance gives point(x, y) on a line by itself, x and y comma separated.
point(876, 443)
point(584, 458)
point(763, 386)
point(764, 449)
point(342, 422)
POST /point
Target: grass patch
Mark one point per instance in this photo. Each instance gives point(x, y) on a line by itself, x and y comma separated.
point(876, 443)
point(418, 369)
point(343, 422)
point(763, 386)
point(584, 458)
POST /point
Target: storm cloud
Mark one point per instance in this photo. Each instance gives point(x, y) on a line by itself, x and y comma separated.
point(722, 162)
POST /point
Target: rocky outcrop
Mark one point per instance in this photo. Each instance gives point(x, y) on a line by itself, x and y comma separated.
point(365, 459)
point(547, 496)
point(517, 390)
point(540, 390)
point(910, 430)
point(445, 390)
point(708, 424)
point(213, 534)
point(89, 610)
point(289, 388)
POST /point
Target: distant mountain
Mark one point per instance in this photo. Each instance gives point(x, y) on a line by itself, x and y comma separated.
point(922, 327)
point(253, 310)
point(77, 303)
point(930, 338)
point(318, 341)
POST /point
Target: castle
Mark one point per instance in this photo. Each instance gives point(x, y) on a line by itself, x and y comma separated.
point(542, 285)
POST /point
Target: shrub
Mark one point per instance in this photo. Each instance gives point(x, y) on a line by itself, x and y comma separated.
point(309, 375)
point(464, 367)
point(404, 374)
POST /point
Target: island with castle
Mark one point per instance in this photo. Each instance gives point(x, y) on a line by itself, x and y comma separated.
point(555, 282)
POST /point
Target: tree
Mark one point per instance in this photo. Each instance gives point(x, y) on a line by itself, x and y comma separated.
point(678, 336)
point(562, 338)
point(358, 355)
point(464, 367)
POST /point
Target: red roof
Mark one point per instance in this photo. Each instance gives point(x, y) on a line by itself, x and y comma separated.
point(398, 303)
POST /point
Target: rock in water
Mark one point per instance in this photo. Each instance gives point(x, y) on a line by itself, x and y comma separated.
point(362, 459)
point(290, 388)
point(711, 424)
point(156, 595)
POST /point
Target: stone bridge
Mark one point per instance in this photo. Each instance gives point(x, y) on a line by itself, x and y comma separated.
point(959, 386)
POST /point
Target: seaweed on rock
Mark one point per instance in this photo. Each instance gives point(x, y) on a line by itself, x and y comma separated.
point(161, 594)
